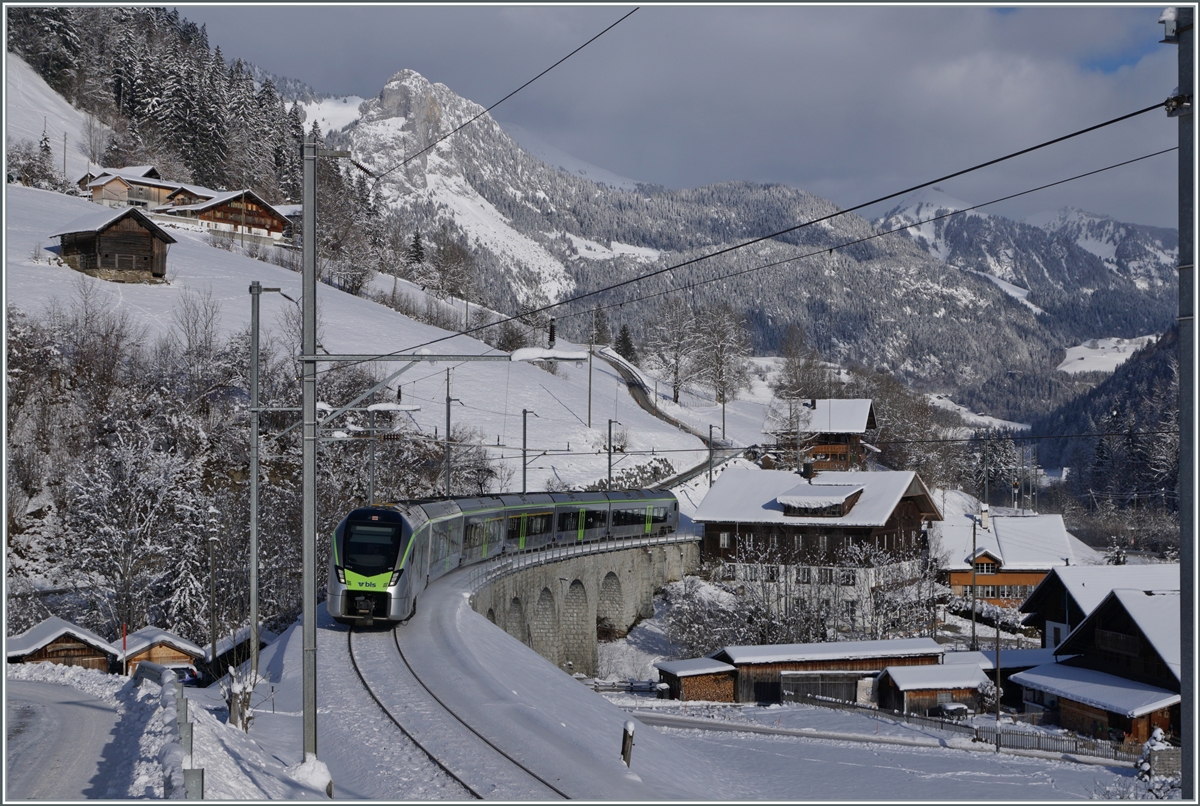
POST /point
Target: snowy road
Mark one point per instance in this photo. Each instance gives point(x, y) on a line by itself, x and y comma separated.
point(56, 742)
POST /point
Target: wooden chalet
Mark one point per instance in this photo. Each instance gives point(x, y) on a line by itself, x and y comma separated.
point(239, 211)
point(123, 245)
point(814, 668)
point(1067, 595)
point(158, 646)
point(1123, 677)
point(1011, 557)
point(136, 186)
point(698, 679)
point(57, 641)
point(827, 432)
point(918, 689)
point(811, 520)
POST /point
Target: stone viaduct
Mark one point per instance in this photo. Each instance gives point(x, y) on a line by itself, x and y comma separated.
point(562, 608)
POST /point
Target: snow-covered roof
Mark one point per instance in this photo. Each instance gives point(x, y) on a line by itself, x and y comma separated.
point(1020, 542)
point(1156, 614)
point(290, 210)
point(813, 496)
point(969, 658)
point(939, 676)
point(1097, 689)
point(107, 216)
point(42, 634)
point(831, 650)
point(216, 201)
point(1089, 584)
point(692, 666)
point(752, 496)
point(548, 354)
point(833, 416)
point(151, 636)
point(228, 641)
point(136, 171)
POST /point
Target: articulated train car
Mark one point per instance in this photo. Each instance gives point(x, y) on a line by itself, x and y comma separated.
point(384, 556)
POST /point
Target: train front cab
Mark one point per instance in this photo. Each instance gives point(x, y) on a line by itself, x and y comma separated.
point(370, 557)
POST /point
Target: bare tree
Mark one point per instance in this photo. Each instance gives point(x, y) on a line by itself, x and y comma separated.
point(672, 344)
point(724, 348)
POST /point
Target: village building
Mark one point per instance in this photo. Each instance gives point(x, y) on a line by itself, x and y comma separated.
point(698, 679)
point(121, 244)
point(157, 646)
point(235, 212)
point(57, 641)
point(1012, 661)
point(835, 669)
point(1011, 557)
point(921, 689)
point(1067, 595)
point(1123, 677)
point(827, 433)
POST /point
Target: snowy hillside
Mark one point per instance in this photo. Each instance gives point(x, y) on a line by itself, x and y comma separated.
point(561, 446)
point(1145, 254)
point(31, 107)
point(1102, 355)
point(332, 114)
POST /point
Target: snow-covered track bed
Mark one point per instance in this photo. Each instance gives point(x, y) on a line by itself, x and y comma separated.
point(483, 769)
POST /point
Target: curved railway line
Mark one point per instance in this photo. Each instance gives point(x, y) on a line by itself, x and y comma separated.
point(485, 770)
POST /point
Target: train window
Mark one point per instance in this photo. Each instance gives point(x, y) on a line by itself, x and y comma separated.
point(660, 515)
point(539, 524)
point(514, 527)
point(596, 519)
point(370, 549)
point(568, 521)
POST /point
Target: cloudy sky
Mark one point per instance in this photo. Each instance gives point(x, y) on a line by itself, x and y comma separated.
point(850, 103)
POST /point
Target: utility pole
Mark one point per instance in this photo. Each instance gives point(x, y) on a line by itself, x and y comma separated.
point(610, 449)
point(449, 400)
point(974, 522)
point(212, 589)
point(525, 444)
point(1179, 30)
point(371, 489)
point(256, 290)
point(64, 156)
point(710, 454)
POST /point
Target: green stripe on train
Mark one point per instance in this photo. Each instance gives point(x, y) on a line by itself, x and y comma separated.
point(359, 582)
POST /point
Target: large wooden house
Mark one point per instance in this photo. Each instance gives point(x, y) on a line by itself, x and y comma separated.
point(120, 244)
point(57, 641)
point(235, 212)
point(1123, 676)
point(827, 433)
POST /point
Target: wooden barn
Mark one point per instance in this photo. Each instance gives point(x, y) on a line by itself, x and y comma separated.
point(698, 679)
point(120, 244)
point(158, 646)
point(62, 642)
point(759, 668)
point(918, 689)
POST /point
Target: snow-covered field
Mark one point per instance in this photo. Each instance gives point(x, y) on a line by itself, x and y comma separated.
point(971, 418)
point(31, 108)
point(1102, 355)
point(332, 113)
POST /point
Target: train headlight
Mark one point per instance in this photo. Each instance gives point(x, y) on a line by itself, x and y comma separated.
point(395, 577)
point(341, 575)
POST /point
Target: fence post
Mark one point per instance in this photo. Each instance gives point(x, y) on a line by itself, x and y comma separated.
point(193, 784)
point(185, 739)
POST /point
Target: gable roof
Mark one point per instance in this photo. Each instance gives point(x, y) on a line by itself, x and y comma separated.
point(937, 676)
point(152, 636)
point(1097, 689)
point(830, 650)
point(1156, 614)
point(1009, 658)
point(1020, 542)
point(693, 666)
point(833, 416)
point(49, 630)
point(106, 217)
point(742, 495)
point(1088, 585)
point(219, 199)
point(134, 171)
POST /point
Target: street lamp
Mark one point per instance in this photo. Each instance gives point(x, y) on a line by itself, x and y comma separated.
point(610, 447)
point(524, 448)
point(981, 520)
point(212, 586)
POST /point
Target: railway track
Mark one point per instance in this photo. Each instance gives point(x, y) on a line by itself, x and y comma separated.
point(485, 770)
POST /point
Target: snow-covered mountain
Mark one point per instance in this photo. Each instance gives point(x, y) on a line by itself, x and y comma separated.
point(1092, 276)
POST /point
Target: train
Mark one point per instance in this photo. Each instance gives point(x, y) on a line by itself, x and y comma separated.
point(383, 556)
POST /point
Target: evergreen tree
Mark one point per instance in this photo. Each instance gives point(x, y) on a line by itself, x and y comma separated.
point(624, 345)
point(600, 332)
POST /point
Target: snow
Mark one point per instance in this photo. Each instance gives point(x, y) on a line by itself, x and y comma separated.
point(590, 250)
point(809, 496)
point(1156, 614)
point(333, 114)
point(940, 676)
point(1030, 541)
point(1088, 585)
point(28, 100)
point(46, 631)
point(834, 416)
point(1014, 291)
point(535, 146)
point(971, 418)
point(1097, 689)
point(751, 496)
point(693, 666)
point(1103, 355)
point(784, 653)
point(94, 222)
point(493, 393)
point(149, 636)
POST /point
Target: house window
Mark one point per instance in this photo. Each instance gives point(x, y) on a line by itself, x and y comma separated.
point(724, 540)
point(850, 608)
point(825, 576)
point(846, 576)
point(772, 573)
point(804, 575)
point(728, 571)
point(985, 568)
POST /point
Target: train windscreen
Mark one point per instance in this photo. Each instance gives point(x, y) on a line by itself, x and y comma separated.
point(371, 548)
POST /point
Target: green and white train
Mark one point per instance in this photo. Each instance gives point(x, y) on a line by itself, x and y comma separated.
point(384, 556)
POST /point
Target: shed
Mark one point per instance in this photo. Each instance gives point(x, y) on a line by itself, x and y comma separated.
point(759, 668)
point(62, 642)
point(698, 679)
point(917, 689)
point(158, 646)
point(116, 244)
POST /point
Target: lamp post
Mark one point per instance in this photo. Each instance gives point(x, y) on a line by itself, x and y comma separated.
point(525, 444)
point(710, 454)
point(610, 447)
point(212, 586)
point(982, 520)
